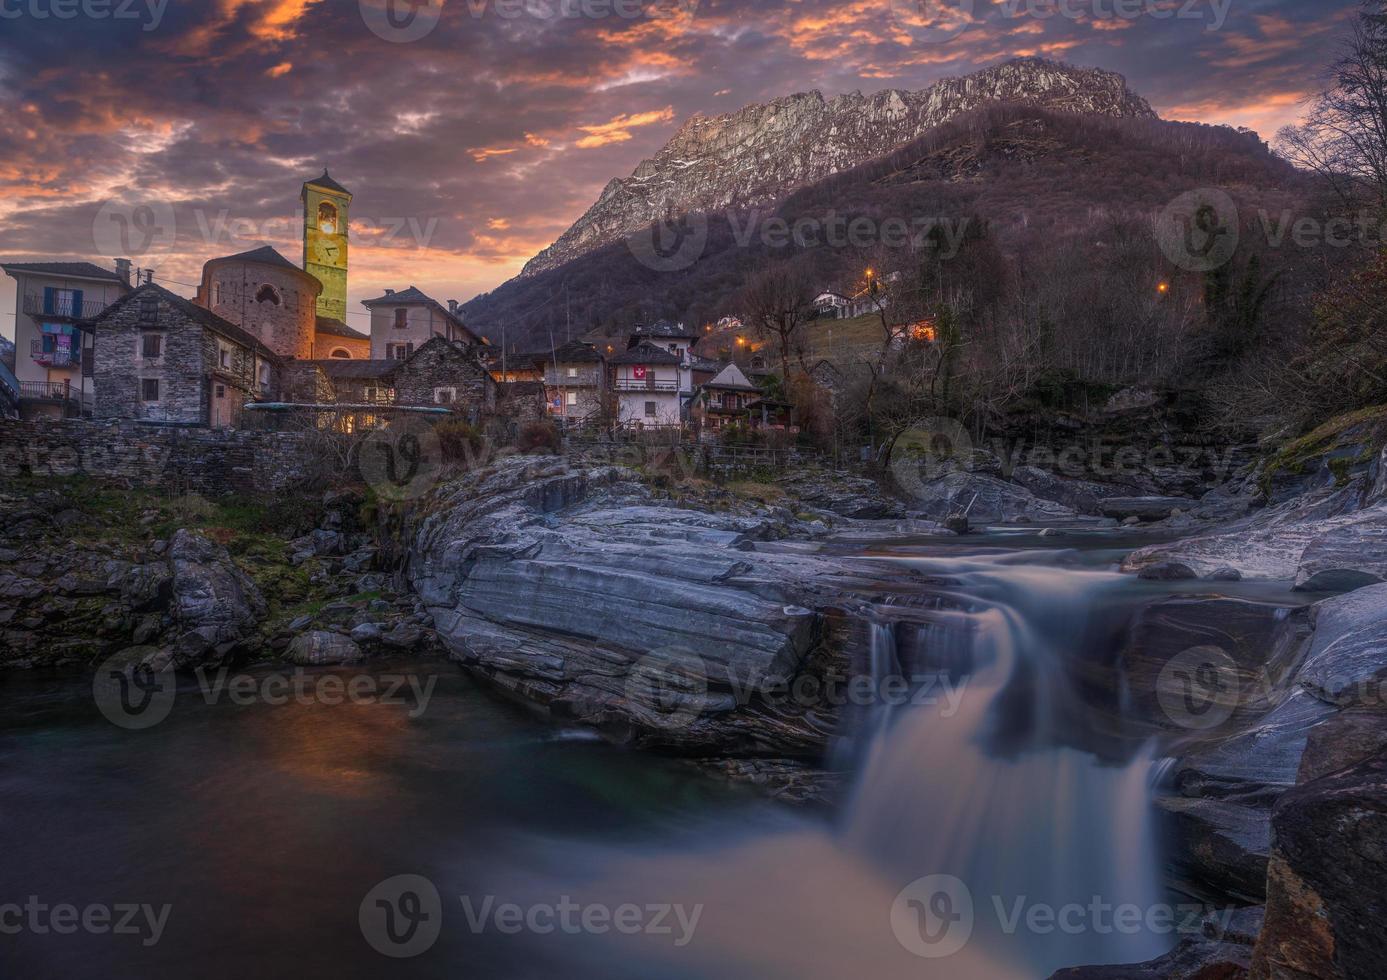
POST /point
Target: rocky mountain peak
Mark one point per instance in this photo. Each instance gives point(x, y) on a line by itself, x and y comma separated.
point(764, 151)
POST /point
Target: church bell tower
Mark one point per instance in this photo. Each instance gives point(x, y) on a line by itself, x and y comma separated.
point(326, 207)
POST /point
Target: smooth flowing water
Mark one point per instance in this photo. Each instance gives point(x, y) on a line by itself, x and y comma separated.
point(262, 827)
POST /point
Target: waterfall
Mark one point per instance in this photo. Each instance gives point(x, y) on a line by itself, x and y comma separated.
point(997, 792)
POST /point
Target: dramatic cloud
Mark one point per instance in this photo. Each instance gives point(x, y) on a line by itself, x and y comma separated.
point(473, 132)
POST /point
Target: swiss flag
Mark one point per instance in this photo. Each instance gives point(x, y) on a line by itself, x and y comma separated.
point(638, 372)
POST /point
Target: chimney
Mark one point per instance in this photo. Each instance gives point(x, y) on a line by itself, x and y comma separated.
point(123, 270)
point(148, 276)
point(453, 307)
point(390, 292)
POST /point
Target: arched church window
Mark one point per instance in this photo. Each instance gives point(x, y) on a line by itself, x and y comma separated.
point(342, 352)
point(327, 218)
point(268, 294)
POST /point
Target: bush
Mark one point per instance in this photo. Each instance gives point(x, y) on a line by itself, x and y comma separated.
point(538, 436)
point(461, 441)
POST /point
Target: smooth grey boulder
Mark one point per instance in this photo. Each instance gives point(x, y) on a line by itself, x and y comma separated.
point(209, 591)
point(323, 648)
point(1084, 496)
point(986, 499)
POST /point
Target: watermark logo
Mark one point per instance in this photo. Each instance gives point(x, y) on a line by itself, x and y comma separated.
point(402, 916)
point(401, 21)
point(132, 695)
point(1199, 688)
point(927, 451)
point(401, 462)
point(145, 922)
point(130, 229)
point(933, 916)
point(671, 684)
point(1199, 231)
point(150, 11)
point(672, 243)
point(933, 21)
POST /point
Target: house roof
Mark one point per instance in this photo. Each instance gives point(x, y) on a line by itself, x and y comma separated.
point(576, 352)
point(66, 270)
point(644, 353)
point(707, 364)
point(731, 378)
point(342, 367)
point(663, 328)
point(200, 315)
point(326, 182)
point(414, 296)
point(266, 256)
point(336, 328)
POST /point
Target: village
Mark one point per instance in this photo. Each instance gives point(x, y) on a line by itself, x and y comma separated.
point(264, 344)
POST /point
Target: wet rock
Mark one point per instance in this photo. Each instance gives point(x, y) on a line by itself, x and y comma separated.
point(322, 648)
point(1327, 880)
point(1142, 508)
point(986, 500)
point(1167, 571)
point(146, 587)
point(1224, 574)
point(209, 591)
point(1194, 959)
point(366, 633)
point(1083, 496)
point(405, 636)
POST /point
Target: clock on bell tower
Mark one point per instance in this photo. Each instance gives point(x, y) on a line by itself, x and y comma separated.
point(326, 207)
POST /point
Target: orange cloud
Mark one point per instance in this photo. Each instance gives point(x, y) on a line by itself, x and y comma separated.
point(618, 129)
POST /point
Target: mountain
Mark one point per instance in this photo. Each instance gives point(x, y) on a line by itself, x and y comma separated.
point(1044, 185)
point(757, 155)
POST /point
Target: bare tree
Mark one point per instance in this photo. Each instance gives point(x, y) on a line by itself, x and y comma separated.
point(1344, 137)
point(777, 302)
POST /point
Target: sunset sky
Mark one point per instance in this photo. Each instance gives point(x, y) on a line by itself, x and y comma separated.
point(481, 141)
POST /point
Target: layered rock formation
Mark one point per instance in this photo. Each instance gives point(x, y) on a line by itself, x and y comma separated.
point(761, 153)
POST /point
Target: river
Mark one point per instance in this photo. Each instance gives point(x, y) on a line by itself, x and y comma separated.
point(253, 839)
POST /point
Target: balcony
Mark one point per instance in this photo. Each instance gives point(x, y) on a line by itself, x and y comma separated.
point(645, 384)
point(62, 307)
point(53, 391)
point(55, 357)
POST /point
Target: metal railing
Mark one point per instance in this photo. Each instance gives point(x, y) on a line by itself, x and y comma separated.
point(68, 357)
point(63, 307)
point(644, 384)
point(49, 390)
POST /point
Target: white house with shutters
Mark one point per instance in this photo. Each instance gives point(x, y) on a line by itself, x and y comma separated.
point(651, 385)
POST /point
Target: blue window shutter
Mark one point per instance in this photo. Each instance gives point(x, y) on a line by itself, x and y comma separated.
point(48, 299)
point(77, 302)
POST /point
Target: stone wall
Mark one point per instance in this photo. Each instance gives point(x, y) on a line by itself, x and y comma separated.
point(234, 290)
point(206, 461)
point(441, 364)
point(306, 384)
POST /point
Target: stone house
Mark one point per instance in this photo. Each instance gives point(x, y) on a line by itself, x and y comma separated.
point(448, 374)
point(53, 354)
point(267, 296)
point(575, 382)
point(162, 358)
point(649, 383)
point(402, 322)
point(730, 397)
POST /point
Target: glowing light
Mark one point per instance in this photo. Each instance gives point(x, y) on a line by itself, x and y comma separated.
point(1163, 288)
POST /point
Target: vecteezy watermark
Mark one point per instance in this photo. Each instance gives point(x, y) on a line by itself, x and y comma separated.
point(1199, 688)
point(1199, 231)
point(221, 228)
point(927, 451)
point(403, 461)
point(933, 21)
point(403, 917)
point(135, 228)
point(147, 922)
point(671, 684)
point(672, 243)
point(136, 697)
point(401, 21)
point(149, 11)
point(675, 243)
point(935, 917)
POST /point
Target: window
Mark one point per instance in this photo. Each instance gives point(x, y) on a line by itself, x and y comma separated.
point(401, 318)
point(149, 390)
point(224, 357)
point(264, 375)
point(327, 218)
point(650, 410)
point(573, 372)
point(444, 396)
point(217, 295)
point(221, 391)
point(267, 294)
point(398, 352)
point(153, 345)
point(572, 399)
point(341, 352)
